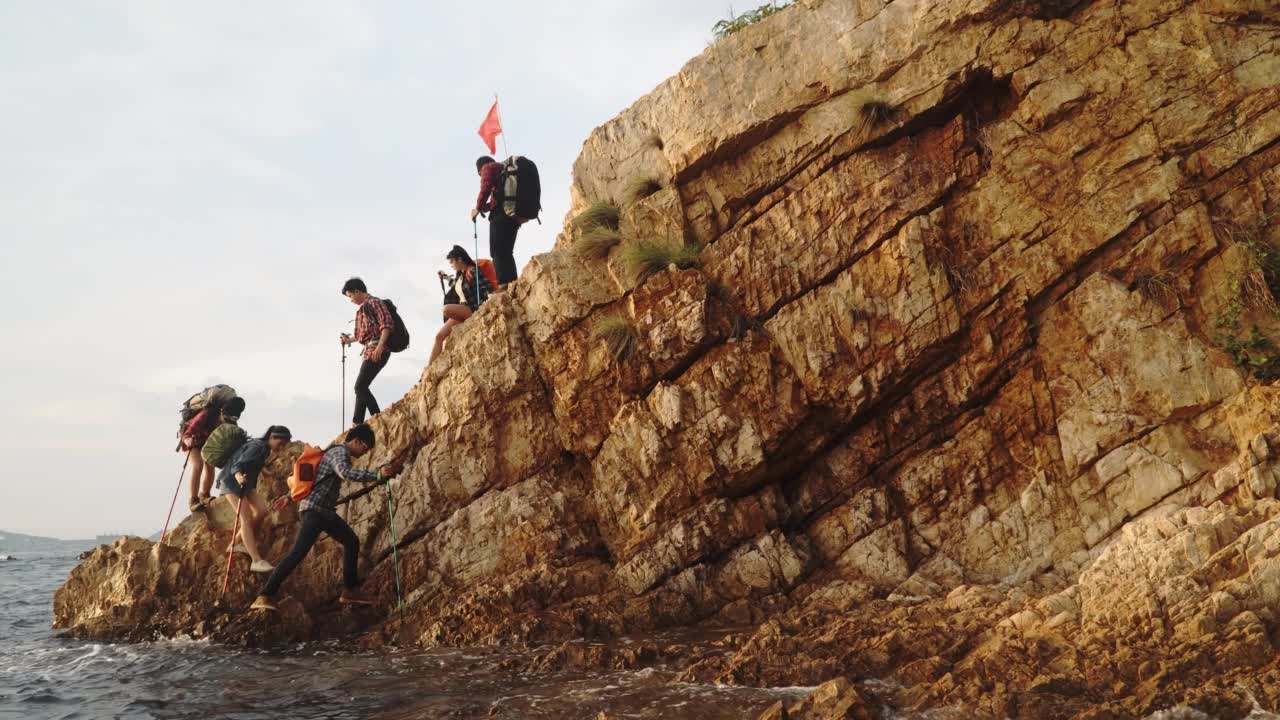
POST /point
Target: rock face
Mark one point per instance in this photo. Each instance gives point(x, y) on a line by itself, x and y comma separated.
point(970, 390)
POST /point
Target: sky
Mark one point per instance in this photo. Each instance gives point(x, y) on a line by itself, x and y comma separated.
point(185, 185)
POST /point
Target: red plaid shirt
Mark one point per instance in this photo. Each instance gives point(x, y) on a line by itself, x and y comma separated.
point(198, 430)
point(371, 319)
point(490, 177)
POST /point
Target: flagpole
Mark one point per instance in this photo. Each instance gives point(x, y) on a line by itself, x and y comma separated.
point(505, 151)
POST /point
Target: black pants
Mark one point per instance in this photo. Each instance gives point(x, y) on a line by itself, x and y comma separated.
point(502, 245)
point(365, 399)
point(315, 522)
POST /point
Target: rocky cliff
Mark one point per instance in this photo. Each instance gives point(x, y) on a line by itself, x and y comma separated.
point(969, 388)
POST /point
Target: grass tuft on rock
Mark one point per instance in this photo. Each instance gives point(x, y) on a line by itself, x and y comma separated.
point(1261, 283)
point(641, 187)
point(618, 336)
point(598, 214)
point(735, 23)
point(596, 242)
point(1159, 287)
point(644, 258)
point(874, 113)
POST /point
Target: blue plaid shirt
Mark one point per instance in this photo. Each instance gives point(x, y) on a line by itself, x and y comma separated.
point(334, 468)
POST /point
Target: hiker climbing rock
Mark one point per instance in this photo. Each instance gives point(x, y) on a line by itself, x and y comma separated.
point(382, 332)
point(238, 480)
point(469, 287)
point(319, 515)
point(510, 194)
point(201, 414)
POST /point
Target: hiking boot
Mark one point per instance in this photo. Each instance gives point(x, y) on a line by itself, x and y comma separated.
point(262, 602)
point(195, 505)
point(261, 566)
point(354, 597)
point(238, 548)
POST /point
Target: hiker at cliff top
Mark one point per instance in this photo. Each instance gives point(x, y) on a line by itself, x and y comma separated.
point(380, 330)
point(502, 229)
point(239, 479)
point(472, 284)
point(318, 514)
point(195, 433)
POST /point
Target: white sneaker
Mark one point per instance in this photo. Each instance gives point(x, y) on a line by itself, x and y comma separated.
point(261, 566)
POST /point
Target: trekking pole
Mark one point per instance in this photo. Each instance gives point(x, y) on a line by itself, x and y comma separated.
point(395, 551)
point(231, 548)
point(343, 423)
point(475, 235)
point(169, 517)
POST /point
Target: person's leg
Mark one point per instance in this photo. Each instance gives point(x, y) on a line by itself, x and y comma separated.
point(248, 526)
point(453, 314)
point(364, 398)
point(502, 243)
point(257, 510)
point(440, 338)
point(197, 468)
point(308, 533)
point(337, 528)
point(206, 485)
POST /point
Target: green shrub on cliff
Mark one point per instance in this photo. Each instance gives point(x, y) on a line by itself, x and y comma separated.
point(734, 23)
point(597, 214)
point(644, 258)
point(1255, 353)
point(641, 187)
point(596, 242)
point(618, 336)
point(1261, 284)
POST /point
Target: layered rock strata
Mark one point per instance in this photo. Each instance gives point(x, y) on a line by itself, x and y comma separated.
point(968, 392)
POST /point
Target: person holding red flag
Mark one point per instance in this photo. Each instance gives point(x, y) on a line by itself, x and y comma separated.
point(502, 229)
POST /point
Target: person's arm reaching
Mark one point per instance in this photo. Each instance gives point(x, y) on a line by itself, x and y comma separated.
point(342, 466)
point(489, 176)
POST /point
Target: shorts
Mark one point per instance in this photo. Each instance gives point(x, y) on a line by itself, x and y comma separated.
point(230, 486)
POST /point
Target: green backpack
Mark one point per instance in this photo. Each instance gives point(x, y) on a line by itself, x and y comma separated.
point(222, 442)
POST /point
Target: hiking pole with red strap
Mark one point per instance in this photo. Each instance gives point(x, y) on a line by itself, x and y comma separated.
point(231, 548)
point(169, 517)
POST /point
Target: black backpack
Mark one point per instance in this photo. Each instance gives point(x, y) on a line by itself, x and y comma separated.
point(521, 189)
point(399, 340)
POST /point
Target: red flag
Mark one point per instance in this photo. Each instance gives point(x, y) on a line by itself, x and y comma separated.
point(491, 128)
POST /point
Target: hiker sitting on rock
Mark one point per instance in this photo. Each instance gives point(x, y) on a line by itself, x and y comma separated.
point(319, 515)
point(472, 287)
point(194, 435)
point(238, 480)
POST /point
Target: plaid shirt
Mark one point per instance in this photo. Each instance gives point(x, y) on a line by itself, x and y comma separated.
point(335, 467)
point(470, 277)
point(371, 319)
point(490, 178)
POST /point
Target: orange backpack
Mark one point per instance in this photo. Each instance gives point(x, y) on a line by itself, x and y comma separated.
point(304, 472)
point(490, 273)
